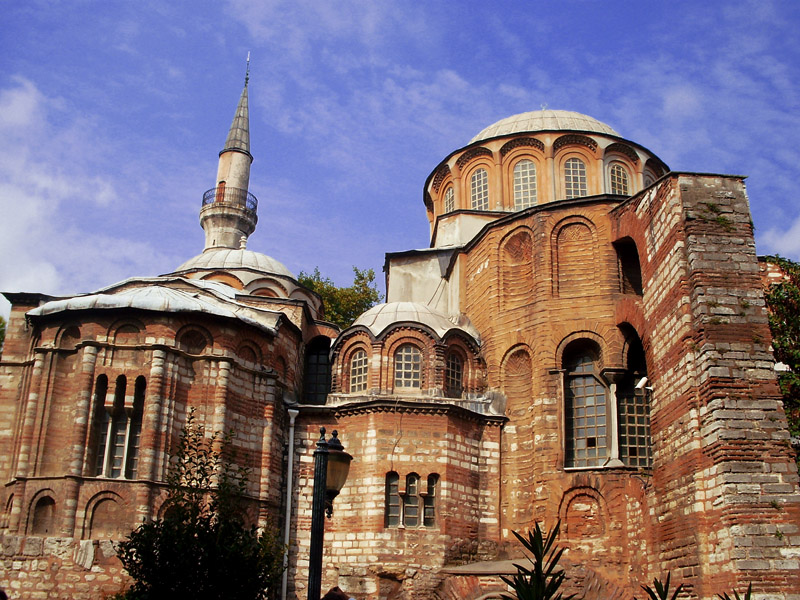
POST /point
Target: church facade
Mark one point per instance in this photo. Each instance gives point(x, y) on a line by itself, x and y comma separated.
point(584, 341)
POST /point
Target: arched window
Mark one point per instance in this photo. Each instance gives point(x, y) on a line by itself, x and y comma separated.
point(449, 199)
point(633, 404)
point(586, 411)
point(44, 516)
point(193, 342)
point(392, 499)
point(479, 190)
point(119, 429)
point(407, 367)
point(359, 368)
point(429, 501)
point(317, 378)
point(618, 178)
point(574, 178)
point(453, 375)
point(411, 501)
point(524, 184)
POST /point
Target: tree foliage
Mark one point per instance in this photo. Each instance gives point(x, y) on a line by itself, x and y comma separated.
point(2, 334)
point(202, 547)
point(783, 302)
point(543, 578)
point(344, 304)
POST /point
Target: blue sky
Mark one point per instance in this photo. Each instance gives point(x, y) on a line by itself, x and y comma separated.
point(112, 114)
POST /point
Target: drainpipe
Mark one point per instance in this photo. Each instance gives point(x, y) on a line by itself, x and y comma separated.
point(288, 517)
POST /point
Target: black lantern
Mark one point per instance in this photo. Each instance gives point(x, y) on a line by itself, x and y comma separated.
point(331, 466)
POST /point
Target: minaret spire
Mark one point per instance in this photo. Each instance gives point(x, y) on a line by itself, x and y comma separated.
point(228, 215)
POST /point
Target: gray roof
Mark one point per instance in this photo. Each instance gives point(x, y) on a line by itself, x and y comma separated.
point(227, 258)
point(379, 317)
point(239, 134)
point(209, 297)
point(543, 120)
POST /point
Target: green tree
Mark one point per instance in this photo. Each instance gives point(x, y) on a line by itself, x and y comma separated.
point(2, 334)
point(344, 304)
point(783, 302)
point(202, 548)
point(542, 580)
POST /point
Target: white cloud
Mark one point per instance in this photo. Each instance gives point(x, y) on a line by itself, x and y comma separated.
point(785, 242)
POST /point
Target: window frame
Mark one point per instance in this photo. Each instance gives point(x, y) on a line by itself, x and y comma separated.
point(485, 188)
point(534, 200)
point(564, 163)
point(358, 381)
point(416, 364)
point(616, 163)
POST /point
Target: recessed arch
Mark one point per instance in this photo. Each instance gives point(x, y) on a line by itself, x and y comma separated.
point(224, 277)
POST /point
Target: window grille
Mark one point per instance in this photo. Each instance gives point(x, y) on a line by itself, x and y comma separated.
point(480, 190)
point(619, 180)
point(429, 502)
point(411, 501)
point(359, 368)
point(407, 366)
point(524, 184)
point(453, 374)
point(392, 499)
point(449, 200)
point(586, 407)
point(574, 178)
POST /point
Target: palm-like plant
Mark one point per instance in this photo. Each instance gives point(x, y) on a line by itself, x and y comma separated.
point(748, 595)
point(660, 591)
point(542, 580)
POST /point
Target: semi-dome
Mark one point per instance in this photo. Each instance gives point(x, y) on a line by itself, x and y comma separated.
point(379, 317)
point(544, 120)
point(227, 259)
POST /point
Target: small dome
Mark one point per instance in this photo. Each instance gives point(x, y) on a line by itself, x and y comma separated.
point(227, 259)
point(379, 317)
point(543, 120)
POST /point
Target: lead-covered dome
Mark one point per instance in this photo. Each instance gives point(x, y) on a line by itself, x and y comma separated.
point(380, 317)
point(544, 120)
point(225, 259)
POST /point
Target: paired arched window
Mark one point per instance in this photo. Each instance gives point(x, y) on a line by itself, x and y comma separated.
point(454, 375)
point(618, 180)
point(407, 368)
point(415, 507)
point(524, 184)
point(575, 178)
point(586, 410)
point(119, 429)
point(606, 425)
point(449, 200)
point(479, 190)
point(359, 368)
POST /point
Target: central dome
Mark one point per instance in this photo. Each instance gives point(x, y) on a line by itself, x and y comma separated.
point(226, 259)
point(543, 120)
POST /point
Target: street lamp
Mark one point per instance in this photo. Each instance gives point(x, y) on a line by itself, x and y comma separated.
point(331, 465)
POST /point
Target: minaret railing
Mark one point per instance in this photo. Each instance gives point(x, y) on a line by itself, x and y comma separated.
point(231, 196)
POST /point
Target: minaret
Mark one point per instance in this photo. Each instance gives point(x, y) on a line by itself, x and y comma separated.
point(228, 215)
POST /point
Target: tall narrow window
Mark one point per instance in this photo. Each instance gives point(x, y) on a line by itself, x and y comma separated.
point(358, 371)
point(479, 187)
point(449, 200)
point(574, 178)
point(633, 404)
point(119, 430)
point(453, 375)
point(619, 179)
point(392, 499)
point(317, 378)
point(429, 502)
point(585, 412)
point(524, 184)
point(407, 366)
point(411, 501)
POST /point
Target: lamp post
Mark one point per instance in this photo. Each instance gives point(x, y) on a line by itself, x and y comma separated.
point(331, 465)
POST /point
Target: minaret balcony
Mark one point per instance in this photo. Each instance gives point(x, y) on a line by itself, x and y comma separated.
point(231, 196)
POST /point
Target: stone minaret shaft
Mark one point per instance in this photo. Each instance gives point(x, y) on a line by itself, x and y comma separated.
point(228, 215)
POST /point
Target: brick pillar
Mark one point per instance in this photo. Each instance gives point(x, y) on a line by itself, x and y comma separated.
point(148, 443)
point(29, 421)
point(79, 437)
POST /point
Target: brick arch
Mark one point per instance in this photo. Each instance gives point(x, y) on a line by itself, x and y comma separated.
point(249, 351)
point(417, 337)
point(104, 517)
point(68, 335)
point(344, 358)
point(224, 277)
point(38, 521)
point(573, 243)
point(515, 265)
point(267, 286)
point(575, 336)
point(122, 331)
point(441, 174)
point(189, 344)
point(583, 512)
